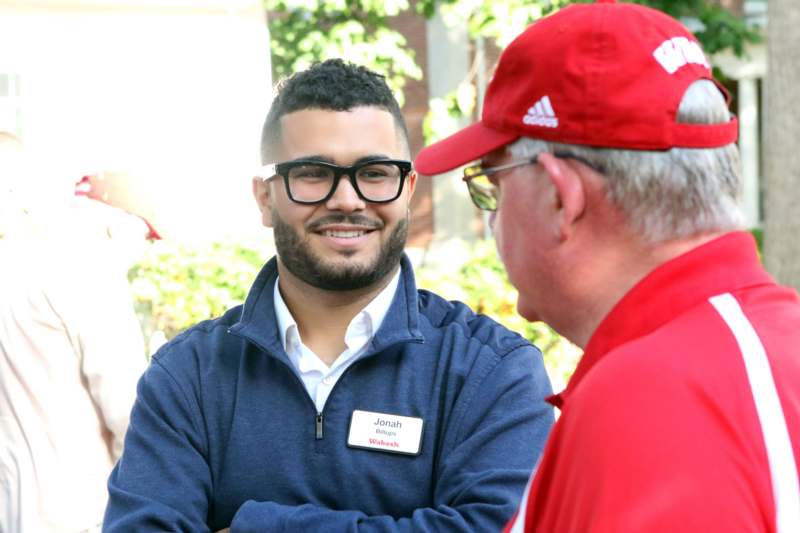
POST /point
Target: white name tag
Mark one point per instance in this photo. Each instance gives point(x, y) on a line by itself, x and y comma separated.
point(384, 432)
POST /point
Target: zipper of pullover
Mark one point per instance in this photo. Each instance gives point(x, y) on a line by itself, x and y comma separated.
point(319, 421)
point(319, 418)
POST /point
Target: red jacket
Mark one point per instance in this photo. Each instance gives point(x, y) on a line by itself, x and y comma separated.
point(684, 412)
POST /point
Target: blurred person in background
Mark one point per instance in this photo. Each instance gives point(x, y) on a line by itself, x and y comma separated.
point(106, 207)
point(71, 351)
point(338, 397)
point(608, 156)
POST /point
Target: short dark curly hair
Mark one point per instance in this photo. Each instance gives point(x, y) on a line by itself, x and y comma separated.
point(334, 85)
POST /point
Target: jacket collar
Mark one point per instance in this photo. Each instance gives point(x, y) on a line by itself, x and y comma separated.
point(725, 264)
point(259, 324)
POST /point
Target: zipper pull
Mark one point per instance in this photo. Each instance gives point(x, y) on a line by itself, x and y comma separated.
point(319, 426)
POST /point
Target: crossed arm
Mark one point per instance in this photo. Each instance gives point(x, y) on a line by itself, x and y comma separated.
point(165, 482)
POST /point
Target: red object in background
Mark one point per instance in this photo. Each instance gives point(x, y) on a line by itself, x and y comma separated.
point(114, 190)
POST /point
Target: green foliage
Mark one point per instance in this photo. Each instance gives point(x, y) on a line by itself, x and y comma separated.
point(500, 21)
point(305, 31)
point(444, 113)
point(482, 284)
point(175, 287)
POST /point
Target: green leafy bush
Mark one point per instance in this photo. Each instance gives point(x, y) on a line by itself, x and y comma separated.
point(175, 287)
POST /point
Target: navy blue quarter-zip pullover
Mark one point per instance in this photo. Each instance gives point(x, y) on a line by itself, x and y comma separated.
point(223, 432)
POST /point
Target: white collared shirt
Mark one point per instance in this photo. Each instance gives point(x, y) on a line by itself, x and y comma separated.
point(318, 377)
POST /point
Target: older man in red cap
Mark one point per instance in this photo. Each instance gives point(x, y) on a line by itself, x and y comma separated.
point(607, 156)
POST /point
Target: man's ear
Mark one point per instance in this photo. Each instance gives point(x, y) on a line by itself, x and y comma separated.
point(261, 193)
point(570, 195)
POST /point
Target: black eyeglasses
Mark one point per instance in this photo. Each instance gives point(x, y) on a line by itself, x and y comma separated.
point(307, 181)
point(485, 193)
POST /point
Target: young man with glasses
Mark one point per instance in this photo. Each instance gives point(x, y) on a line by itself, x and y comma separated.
point(608, 158)
point(338, 397)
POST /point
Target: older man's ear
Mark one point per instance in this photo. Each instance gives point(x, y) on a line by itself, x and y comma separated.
point(569, 193)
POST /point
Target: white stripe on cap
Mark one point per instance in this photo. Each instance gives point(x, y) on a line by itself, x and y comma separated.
point(548, 107)
point(785, 486)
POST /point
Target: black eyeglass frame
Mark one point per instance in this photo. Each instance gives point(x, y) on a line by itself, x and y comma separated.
point(479, 171)
point(282, 170)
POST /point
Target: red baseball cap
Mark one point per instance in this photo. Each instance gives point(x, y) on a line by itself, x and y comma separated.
point(603, 74)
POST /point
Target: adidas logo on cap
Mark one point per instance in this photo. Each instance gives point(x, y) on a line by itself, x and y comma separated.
point(541, 114)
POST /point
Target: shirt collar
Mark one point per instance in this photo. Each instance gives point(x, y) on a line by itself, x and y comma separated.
point(282, 315)
point(370, 318)
point(724, 264)
point(376, 310)
point(257, 322)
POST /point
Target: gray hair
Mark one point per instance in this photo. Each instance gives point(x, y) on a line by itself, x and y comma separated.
point(672, 194)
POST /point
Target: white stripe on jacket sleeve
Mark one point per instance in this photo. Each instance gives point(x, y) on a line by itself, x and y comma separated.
point(783, 470)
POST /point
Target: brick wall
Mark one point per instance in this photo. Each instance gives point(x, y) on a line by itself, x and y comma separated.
point(413, 27)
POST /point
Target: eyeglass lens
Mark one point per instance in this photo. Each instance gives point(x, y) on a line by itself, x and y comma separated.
point(377, 182)
point(483, 192)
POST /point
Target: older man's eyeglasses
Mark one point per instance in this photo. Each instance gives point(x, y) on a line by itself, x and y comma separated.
point(312, 182)
point(484, 191)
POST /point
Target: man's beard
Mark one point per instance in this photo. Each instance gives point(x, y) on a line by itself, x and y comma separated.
point(297, 256)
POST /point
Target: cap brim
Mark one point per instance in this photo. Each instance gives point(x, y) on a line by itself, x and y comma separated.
point(467, 145)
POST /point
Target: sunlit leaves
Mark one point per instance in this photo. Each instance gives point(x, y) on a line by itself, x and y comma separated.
point(303, 32)
point(175, 287)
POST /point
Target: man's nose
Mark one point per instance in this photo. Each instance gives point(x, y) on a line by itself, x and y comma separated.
point(345, 198)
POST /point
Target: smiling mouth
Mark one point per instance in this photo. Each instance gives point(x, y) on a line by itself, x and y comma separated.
point(344, 227)
point(345, 234)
